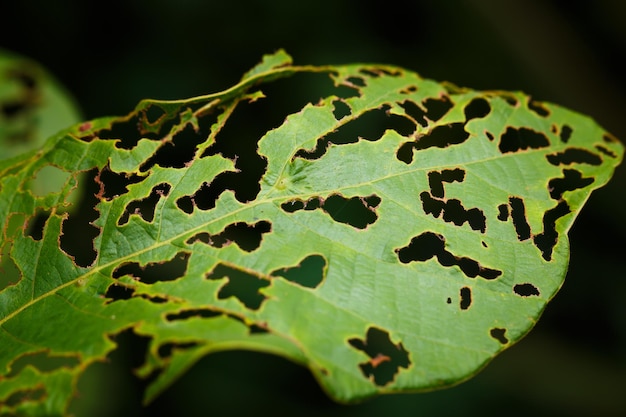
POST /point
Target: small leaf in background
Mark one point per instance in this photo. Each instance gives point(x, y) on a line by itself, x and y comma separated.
point(33, 107)
point(389, 232)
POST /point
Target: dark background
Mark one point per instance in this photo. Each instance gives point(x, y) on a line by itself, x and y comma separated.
point(112, 54)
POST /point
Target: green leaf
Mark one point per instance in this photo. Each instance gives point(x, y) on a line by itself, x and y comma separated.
point(388, 232)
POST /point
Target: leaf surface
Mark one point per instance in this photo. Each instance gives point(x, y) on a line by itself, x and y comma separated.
point(390, 233)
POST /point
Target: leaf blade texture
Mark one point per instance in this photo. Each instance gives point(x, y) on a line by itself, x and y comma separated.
point(392, 234)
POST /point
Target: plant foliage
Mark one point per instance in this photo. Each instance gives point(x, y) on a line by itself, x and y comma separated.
point(393, 236)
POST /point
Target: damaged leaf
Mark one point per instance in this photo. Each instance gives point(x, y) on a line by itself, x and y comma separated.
point(389, 232)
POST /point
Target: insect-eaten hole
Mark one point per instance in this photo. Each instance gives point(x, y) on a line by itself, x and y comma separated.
point(465, 298)
point(341, 109)
point(113, 184)
point(477, 109)
point(310, 273)
point(36, 225)
point(152, 272)
point(369, 126)
point(566, 133)
point(547, 240)
point(126, 133)
point(518, 215)
point(606, 151)
point(499, 334)
point(452, 211)
point(44, 362)
point(572, 180)
point(538, 108)
point(167, 349)
point(385, 357)
point(515, 140)
point(440, 136)
point(181, 150)
point(78, 231)
point(239, 284)
point(248, 237)
point(526, 290)
point(574, 156)
point(153, 115)
point(358, 212)
point(118, 292)
point(48, 179)
point(428, 245)
point(503, 212)
point(145, 207)
point(429, 110)
point(437, 178)
point(201, 313)
point(25, 396)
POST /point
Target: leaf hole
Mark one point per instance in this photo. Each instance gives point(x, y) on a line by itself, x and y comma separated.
point(509, 99)
point(355, 81)
point(152, 272)
point(566, 133)
point(436, 108)
point(113, 184)
point(526, 290)
point(200, 313)
point(518, 215)
point(499, 334)
point(78, 231)
point(547, 240)
point(477, 109)
point(310, 273)
point(341, 109)
point(572, 180)
point(239, 284)
point(606, 151)
point(44, 362)
point(166, 350)
point(118, 292)
point(145, 207)
point(386, 357)
point(515, 140)
point(369, 126)
point(428, 245)
point(48, 179)
point(237, 141)
point(437, 178)
point(465, 298)
point(538, 108)
point(609, 138)
point(37, 224)
point(440, 136)
point(453, 212)
point(503, 212)
point(125, 133)
point(574, 156)
point(358, 212)
point(154, 114)
point(22, 396)
point(247, 237)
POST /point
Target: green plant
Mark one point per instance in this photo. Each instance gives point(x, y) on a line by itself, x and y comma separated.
point(394, 236)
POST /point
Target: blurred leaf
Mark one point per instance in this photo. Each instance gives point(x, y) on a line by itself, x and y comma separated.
point(394, 236)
